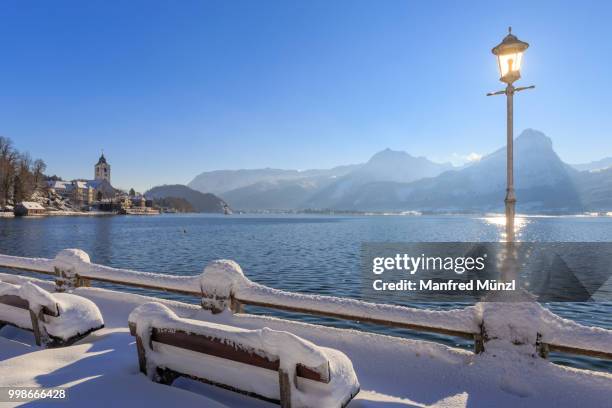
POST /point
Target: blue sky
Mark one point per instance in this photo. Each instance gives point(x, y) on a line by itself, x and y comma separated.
point(169, 89)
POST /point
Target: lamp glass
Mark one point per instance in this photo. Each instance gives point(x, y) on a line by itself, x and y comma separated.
point(510, 63)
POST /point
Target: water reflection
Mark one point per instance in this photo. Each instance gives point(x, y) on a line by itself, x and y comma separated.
point(520, 222)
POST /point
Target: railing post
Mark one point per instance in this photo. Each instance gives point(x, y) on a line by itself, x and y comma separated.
point(478, 344)
point(67, 264)
point(218, 285)
point(541, 348)
point(480, 339)
point(64, 280)
point(216, 304)
point(236, 306)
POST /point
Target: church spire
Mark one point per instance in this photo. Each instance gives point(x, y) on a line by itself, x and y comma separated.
point(102, 169)
point(102, 159)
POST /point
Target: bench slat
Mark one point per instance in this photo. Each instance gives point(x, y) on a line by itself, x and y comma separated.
point(215, 347)
point(15, 301)
point(18, 302)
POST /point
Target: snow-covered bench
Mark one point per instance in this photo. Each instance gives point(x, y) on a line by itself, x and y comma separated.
point(272, 365)
point(57, 319)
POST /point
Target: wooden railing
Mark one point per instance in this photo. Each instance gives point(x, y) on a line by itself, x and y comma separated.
point(71, 268)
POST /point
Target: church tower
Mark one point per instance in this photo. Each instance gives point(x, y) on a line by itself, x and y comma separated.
point(102, 171)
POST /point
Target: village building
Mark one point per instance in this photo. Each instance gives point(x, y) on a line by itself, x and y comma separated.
point(26, 208)
point(87, 192)
point(79, 192)
point(60, 187)
point(138, 201)
point(82, 194)
point(7, 208)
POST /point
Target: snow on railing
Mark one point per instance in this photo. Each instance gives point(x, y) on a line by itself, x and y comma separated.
point(75, 264)
point(567, 336)
point(42, 265)
point(223, 285)
point(457, 322)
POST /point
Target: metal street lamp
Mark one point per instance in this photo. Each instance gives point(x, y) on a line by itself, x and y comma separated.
point(509, 55)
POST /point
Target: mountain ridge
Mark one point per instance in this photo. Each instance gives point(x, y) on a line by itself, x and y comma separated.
point(397, 181)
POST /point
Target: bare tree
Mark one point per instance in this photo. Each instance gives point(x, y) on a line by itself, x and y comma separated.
point(20, 177)
point(38, 171)
point(8, 161)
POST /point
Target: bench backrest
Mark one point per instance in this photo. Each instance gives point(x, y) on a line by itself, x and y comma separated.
point(16, 301)
point(20, 303)
point(218, 348)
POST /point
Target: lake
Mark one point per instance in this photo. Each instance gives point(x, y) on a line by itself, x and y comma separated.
point(301, 253)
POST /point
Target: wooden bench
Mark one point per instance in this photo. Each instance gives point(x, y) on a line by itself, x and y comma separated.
point(209, 353)
point(16, 311)
point(19, 303)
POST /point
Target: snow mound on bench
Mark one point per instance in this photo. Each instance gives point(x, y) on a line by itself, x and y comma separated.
point(37, 298)
point(8, 289)
point(288, 348)
point(76, 315)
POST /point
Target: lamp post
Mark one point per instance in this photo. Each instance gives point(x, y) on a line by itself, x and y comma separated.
point(509, 55)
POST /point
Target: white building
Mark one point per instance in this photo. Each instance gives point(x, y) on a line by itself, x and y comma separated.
point(102, 169)
point(86, 192)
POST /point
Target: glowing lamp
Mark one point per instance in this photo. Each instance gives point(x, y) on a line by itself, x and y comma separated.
point(509, 55)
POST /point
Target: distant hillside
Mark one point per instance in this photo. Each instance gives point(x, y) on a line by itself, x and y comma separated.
point(275, 195)
point(201, 202)
point(595, 189)
point(221, 181)
point(597, 165)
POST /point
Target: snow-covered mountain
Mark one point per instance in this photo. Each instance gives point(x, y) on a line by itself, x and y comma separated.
point(397, 181)
point(221, 181)
point(326, 188)
point(543, 183)
point(387, 166)
point(596, 165)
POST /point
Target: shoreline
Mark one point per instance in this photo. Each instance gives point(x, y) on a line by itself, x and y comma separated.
point(77, 213)
point(299, 213)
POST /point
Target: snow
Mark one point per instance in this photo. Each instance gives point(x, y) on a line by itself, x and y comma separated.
point(31, 205)
point(16, 316)
point(509, 324)
point(35, 264)
point(286, 347)
point(76, 315)
point(102, 369)
point(221, 278)
point(76, 261)
point(558, 330)
point(37, 298)
point(464, 320)
point(224, 279)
